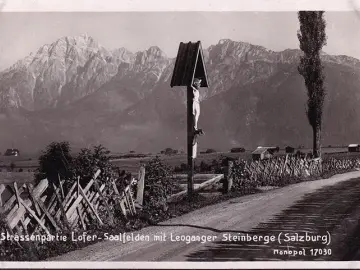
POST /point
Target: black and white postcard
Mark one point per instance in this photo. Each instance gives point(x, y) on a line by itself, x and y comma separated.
point(170, 134)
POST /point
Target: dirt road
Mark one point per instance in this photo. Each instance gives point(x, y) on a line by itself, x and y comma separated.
point(328, 207)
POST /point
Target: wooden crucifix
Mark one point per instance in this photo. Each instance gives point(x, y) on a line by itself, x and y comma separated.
point(189, 71)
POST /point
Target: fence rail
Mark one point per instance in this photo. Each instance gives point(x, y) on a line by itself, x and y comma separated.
point(213, 180)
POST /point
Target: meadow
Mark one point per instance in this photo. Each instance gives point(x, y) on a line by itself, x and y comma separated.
point(132, 164)
point(27, 164)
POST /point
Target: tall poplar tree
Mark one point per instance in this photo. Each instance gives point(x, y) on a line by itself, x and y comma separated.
point(312, 38)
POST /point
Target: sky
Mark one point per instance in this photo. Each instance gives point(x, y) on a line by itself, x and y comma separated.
point(24, 32)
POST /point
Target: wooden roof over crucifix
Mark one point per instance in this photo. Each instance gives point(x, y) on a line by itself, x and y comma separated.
point(189, 64)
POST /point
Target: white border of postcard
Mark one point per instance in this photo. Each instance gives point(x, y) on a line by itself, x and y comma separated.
point(174, 5)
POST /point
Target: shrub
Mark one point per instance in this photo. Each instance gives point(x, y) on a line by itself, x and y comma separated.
point(169, 151)
point(237, 150)
point(204, 167)
point(289, 150)
point(181, 169)
point(88, 161)
point(243, 181)
point(131, 155)
point(216, 166)
point(55, 161)
point(86, 164)
point(159, 185)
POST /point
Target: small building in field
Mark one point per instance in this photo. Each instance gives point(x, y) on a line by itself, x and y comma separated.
point(289, 150)
point(354, 147)
point(262, 153)
point(12, 152)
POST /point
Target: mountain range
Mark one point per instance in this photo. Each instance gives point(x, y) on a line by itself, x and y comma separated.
point(76, 90)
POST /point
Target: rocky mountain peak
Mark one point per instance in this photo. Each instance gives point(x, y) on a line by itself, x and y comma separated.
point(123, 54)
point(63, 71)
point(224, 41)
point(80, 42)
point(156, 50)
point(151, 55)
point(227, 49)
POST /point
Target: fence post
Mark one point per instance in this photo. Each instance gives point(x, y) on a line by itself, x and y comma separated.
point(62, 209)
point(2, 188)
point(228, 178)
point(121, 203)
point(140, 186)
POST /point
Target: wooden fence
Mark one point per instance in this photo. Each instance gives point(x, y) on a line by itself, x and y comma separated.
point(288, 165)
point(31, 210)
point(268, 172)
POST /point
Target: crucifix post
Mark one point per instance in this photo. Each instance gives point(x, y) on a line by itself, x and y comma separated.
point(190, 137)
point(189, 71)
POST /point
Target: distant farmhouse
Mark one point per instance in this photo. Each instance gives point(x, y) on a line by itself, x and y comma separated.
point(262, 153)
point(354, 147)
point(12, 152)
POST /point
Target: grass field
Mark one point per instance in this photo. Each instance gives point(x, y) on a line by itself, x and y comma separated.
point(132, 164)
point(19, 177)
